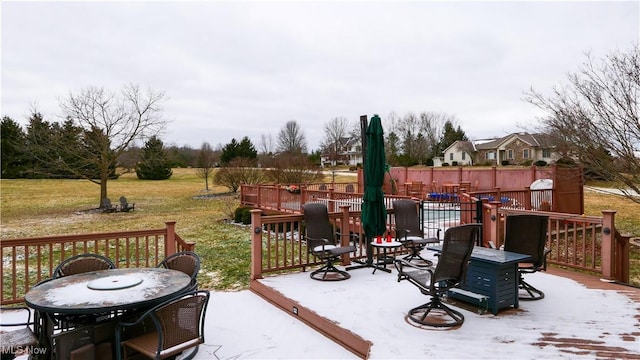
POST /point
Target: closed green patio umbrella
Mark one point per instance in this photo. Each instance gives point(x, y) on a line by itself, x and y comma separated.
point(374, 212)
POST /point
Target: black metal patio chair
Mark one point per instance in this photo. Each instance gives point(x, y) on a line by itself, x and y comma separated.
point(435, 282)
point(409, 231)
point(527, 234)
point(322, 242)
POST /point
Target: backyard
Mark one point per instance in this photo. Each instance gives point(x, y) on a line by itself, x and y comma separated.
point(54, 207)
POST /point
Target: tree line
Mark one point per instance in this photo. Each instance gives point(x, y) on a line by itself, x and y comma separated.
point(593, 120)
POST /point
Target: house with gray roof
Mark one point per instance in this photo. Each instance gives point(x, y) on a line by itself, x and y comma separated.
point(514, 149)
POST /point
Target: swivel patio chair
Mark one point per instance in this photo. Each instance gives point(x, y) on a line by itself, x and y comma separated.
point(19, 339)
point(172, 328)
point(321, 242)
point(409, 231)
point(449, 272)
point(83, 263)
point(527, 234)
point(186, 261)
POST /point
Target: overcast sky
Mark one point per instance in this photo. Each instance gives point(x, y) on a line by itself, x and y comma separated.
point(235, 69)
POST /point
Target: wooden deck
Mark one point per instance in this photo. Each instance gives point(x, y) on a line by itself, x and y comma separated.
point(581, 333)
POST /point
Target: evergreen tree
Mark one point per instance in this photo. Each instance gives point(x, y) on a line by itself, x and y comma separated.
point(449, 136)
point(39, 136)
point(229, 152)
point(244, 149)
point(15, 159)
point(154, 163)
point(392, 147)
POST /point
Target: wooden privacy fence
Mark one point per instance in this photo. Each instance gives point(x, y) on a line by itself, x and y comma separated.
point(278, 198)
point(26, 261)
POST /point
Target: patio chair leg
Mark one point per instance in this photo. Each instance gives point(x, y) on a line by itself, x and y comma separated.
point(534, 294)
point(415, 255)
point(329, 273)
point(420, 314)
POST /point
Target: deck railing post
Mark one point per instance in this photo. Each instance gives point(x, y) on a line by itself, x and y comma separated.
point(494, 224)
point(608, 245)
point(170, 238)
point(345, 231)
point(527, 198)
point(303, 196)
point(259, 196)
point(331, 206)
point(278, 197)
point(622, 257)
point(256, 244)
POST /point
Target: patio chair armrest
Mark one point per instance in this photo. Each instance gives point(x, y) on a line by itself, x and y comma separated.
point(315, 242)
point(401, 233)
point(16, 308)
point(400, 265)
point(351, 236)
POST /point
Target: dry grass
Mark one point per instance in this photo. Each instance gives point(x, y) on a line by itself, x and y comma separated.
point(55, 207)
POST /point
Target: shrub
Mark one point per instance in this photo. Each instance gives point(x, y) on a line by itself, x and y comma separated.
point(540, 163)
point(527, 162)
point(445, 164)
point(239, 214)
point(246, 216)
point(565, 161)
point(504, 162)
point(454, 163)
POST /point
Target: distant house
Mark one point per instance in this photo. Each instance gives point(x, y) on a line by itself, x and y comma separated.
point(513, 149)
point(347, 151)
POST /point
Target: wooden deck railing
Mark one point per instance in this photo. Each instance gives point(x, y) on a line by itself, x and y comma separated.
point(588, 243)
point(278, 198)
point(277, 244)
point(26, 261)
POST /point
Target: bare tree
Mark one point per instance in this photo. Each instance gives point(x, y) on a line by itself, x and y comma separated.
point(266, 145)
point(336, 139)
point(595, 117)
point(408, 130)
point(432, 126)
point(110, 123)
point(291, 139)
point(239, 171)
point(205, 163)
point(294, 169)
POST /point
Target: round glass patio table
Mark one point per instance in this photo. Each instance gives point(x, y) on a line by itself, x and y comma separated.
point(107, 290)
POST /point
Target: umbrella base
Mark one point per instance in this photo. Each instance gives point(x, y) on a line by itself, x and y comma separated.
point(367, 264)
